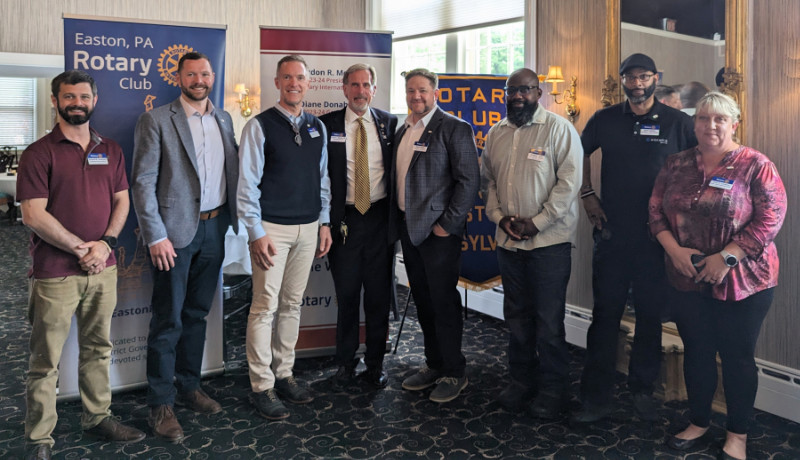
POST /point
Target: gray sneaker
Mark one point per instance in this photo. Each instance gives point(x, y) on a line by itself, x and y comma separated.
point(424, 378)
point(268, 405)
point(289, 389)
point(448, 389)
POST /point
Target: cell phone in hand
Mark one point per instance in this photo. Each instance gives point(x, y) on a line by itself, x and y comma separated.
point(697, 258)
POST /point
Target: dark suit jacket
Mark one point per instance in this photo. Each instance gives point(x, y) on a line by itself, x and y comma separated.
point(441, 183)
point(386, 124)
point(165, 183)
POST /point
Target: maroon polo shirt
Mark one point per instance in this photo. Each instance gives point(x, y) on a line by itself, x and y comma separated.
point(79, 187)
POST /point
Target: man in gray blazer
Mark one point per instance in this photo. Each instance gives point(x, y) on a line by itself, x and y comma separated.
point(185, 171)
point(435, 184)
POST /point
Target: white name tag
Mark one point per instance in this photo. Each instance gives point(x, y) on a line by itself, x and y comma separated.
point(98, 159)
point(721, 183)
point(338, 137)
point(537, 154)
point(650, 130)
point(420, 147)
point(313, 132)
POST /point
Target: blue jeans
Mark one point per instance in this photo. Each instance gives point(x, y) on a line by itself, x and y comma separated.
point(535, 286)
point(182, 298)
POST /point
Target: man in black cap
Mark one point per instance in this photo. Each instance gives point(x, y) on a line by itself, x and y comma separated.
point(635, 136)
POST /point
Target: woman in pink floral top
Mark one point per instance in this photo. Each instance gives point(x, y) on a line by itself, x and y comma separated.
point(724, 203)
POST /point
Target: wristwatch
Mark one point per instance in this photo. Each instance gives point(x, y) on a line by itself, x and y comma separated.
point(111, 241)
point(325, 224)
point(730, 259)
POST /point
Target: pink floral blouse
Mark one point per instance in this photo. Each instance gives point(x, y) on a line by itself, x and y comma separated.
point(742, 200)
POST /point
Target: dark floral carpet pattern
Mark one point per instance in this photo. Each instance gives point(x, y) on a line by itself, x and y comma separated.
point(356, 422)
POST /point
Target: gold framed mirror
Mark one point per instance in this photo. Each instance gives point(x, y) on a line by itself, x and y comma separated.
point(735, 47)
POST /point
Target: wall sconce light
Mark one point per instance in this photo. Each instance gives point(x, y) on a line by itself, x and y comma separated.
point(554, 76)
point(244, 99)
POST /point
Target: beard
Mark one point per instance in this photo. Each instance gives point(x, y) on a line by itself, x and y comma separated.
point(648, 91)
point(191, 96)
point(520, 115)
point(75, 119)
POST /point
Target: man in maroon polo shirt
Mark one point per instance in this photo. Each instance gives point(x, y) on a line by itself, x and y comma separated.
point(74, 196)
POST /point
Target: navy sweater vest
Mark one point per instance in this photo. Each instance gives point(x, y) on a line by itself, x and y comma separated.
point(290, 186)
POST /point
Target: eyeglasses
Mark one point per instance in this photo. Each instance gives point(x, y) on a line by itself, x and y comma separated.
point(297, 139)
point(644, 78)
point(511, 90)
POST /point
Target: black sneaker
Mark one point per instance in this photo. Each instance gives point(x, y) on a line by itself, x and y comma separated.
point(514, 396)
point(39, 452)
point(591, 413)
point(268, 405)
point(289, 389)
point(548, 405)
point(645, 407)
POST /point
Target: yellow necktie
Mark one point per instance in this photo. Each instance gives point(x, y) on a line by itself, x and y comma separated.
point(361, 192)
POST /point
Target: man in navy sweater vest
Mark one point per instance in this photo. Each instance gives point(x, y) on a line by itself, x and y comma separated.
point(284, 202)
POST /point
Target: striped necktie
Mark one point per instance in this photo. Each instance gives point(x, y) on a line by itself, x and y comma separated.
point(362, 192)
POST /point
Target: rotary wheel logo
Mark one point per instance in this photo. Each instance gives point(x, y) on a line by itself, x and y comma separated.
point(168, 62)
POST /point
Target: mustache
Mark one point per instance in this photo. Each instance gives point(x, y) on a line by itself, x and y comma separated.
point(70, 108)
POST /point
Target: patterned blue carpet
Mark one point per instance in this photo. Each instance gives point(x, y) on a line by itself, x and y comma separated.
point(355, 422)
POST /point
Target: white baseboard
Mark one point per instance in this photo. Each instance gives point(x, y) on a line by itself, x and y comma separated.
point(778, 386)
point(778, 390)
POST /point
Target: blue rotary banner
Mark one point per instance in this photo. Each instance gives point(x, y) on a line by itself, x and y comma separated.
point(135, 66)
point(479, 100)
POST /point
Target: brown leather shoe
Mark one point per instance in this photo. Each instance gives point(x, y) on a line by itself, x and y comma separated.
point(164, 423)
point(111, 430)
point(198, 401)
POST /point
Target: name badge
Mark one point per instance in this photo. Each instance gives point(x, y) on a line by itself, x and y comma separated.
point(721, 183)
point(649, 130)
point(98, 159)
point(536, 154)
point(313, 132)
point(338, 137)
point(420, 147)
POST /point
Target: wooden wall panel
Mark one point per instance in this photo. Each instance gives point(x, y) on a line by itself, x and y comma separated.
point(773, 117)
point(571, 33)
point(35, 26)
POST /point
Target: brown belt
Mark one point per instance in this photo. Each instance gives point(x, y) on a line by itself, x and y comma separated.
point(211, 214)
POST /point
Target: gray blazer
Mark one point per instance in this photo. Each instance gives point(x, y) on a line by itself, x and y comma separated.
point(165, 184)
point(441, 183)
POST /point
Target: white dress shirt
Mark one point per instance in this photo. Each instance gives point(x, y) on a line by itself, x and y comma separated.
point(374, 153)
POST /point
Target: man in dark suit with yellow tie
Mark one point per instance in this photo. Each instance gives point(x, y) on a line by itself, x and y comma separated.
point(359, 163)
point(435, 183)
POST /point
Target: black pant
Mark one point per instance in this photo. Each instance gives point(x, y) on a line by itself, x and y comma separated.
point(535, 287)
point(708, 326)
point(616, 267)
point(432, 269)
point(182, 298)
point(363, 259)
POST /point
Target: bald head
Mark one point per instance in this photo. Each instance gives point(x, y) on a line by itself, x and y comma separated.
point(524, 73)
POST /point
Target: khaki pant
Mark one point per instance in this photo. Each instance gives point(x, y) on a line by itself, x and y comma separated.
point(51, 305)
point(279, 289)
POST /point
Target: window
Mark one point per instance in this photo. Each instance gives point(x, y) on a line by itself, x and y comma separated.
point(497, 50)
point(17, 115)
point(428, 52)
